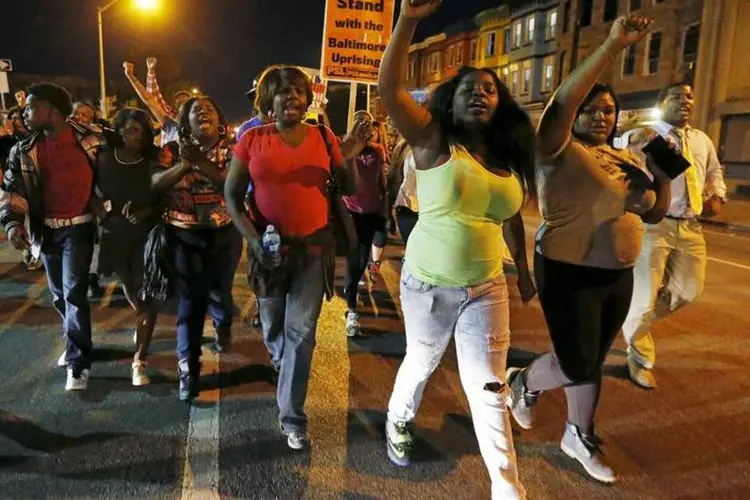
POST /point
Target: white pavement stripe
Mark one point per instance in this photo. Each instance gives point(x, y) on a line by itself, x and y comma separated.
point(200, 480)
point(729, 263)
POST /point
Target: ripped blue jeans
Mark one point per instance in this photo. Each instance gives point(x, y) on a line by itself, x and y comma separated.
point(479, 319)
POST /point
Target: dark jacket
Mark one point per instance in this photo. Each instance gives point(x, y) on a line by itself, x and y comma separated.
point(21, 192)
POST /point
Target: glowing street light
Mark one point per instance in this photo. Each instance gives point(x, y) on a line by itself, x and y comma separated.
point(142, 5)
point(148, 5)
point(195, 91)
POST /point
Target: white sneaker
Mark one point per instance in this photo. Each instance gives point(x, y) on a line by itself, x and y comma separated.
point(80, 383)
point(585, 449)
point(61, 363)
point(140, 377)
point(297, 440)
point(352, 324)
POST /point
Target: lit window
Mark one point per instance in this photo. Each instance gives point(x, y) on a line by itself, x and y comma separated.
point(517, 35)
point(530, 25)
point(551, 29)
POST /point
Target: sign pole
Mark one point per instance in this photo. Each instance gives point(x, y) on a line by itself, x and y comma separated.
point(369, 89)
point(2, 98)
point(352, 106)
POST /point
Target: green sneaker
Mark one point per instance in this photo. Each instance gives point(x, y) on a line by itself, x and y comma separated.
point(398, 442)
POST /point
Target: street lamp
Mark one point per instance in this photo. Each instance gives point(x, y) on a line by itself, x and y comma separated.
point(145, 5)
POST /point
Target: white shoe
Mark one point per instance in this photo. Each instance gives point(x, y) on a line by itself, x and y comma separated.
point(140, 377)
point(61, 362)
point(80, 383)
point(585, 449)
point(297, 440)
point(352, 325)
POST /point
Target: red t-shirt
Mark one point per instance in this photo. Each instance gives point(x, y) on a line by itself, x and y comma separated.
point(67, 177)
point(289, 184)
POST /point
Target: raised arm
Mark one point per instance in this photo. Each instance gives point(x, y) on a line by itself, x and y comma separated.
point(557, 120)
point(411, 120)
point(152, 85)
point(143, 93)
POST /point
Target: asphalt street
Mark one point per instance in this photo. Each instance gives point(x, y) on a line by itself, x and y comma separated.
point(688, 439)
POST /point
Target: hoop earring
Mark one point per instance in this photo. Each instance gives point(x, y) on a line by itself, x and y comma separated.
point(222, 130)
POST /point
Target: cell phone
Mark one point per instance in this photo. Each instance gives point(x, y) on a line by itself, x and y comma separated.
point(670, 161)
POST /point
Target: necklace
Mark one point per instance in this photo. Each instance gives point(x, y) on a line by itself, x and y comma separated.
point(127, 162)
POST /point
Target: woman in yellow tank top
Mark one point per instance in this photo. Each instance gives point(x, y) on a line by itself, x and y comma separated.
point(474, 152)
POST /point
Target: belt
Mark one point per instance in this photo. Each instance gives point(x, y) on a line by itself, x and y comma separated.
point(678, 218)
point(58, 223)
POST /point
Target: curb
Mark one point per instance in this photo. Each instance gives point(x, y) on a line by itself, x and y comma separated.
point(740, 228)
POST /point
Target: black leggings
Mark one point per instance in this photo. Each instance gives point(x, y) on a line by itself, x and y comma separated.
point(584, 307)
point(406, 220)
point(366, 225)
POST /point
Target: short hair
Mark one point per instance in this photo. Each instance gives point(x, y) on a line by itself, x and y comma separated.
point(56, 95)
point(121, 118)
point(272, 78)
point(601, 88)
point(184, 118)
point(663, 93)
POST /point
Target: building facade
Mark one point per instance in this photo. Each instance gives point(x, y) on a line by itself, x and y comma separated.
point(668, 54)
point(530, 42)
point(722, 87)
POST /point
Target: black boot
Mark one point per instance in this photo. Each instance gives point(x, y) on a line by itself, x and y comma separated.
point(95, 289)
point(223, 341)
point(189, 380)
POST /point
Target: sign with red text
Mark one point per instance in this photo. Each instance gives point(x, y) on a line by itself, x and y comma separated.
point(355, 35)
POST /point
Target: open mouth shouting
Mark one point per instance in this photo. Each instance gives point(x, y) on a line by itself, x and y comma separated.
point(478, 106)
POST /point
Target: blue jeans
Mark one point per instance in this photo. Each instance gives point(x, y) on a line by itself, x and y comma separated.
point(66, 254)
point(206, 260)
point(289, 326)
point(478, 317)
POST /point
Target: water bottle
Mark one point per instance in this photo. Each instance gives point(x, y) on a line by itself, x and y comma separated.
point(271, 242)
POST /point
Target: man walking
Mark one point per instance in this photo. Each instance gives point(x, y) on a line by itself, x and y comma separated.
point(671, 269)
point(50, 179)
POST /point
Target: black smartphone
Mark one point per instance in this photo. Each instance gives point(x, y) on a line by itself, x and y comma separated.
point(670, 161)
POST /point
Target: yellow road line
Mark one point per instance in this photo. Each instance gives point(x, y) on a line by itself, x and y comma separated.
point(328, 404)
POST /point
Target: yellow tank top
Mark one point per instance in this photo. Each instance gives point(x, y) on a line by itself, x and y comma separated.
point(458, 240)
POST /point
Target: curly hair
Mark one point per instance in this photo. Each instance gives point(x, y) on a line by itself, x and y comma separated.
point(600, 88)
point(114, 137)
point(273, 78)
point(509, 136)
point(184, 118)
point(56, 95)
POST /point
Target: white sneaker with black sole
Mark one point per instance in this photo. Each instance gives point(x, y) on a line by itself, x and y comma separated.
point(352, 325)
point(297, 440)
point(78, 379)
point(585, 449)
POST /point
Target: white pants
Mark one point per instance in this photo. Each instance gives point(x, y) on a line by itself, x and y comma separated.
point(669, 274)
point(478, 316)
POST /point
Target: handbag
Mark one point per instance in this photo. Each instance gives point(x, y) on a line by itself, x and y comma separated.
point(339, 218)
point(159, 274)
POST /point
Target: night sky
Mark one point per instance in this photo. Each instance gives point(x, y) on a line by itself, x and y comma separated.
point(220, 44)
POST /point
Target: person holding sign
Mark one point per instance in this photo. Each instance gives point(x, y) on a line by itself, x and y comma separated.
point(473, 147)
